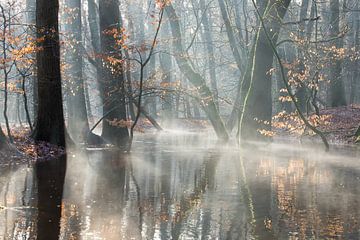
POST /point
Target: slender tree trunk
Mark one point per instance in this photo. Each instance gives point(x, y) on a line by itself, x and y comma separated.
point(166, 68)
point(112, 85)
point(4, 144)
point(129, 88)
point(78, 123)
point(301, 93)
point(355, 64)
point(28, 119)
point(31, 20)
point(208, 38)
point(88, 103)
point(240, 59)
point(207, 101)
point(337, 89)
point(49, 124)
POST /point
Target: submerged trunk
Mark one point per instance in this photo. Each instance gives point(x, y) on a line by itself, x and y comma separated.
point(111, 83)
point(206, 97)
point(49, 124)
point(256, 88)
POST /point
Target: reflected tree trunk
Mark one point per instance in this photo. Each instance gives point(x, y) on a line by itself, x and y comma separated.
point(50, 177)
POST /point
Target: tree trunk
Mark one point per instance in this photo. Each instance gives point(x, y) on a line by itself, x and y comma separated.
point(242, 64)
point(206, 101)
point(112, 85)
point(355, 64)
point(4, 144)
point(49, 124)
point(256, 88)
point(208, 38)
point(301, 93)
point(166, 68)
point(78, 123)
point(337, 89)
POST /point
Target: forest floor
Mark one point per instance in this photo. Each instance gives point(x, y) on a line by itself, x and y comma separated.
point(339, 125)
point(344, 121)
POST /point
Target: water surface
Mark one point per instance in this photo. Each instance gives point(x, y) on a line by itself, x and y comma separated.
point(189, 186)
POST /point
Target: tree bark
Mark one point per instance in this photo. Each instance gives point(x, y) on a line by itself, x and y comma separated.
point(49, 124)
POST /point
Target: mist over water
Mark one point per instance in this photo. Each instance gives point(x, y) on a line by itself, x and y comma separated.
point(188, 186)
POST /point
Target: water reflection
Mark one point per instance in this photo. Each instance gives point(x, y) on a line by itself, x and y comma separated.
point(185, 188)
point(50, 177)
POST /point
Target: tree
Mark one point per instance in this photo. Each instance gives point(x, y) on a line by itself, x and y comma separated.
point(31, 20)
point(256, 88)
point(337, 89)
point(301, 92)
point(112, 86)
point(208, 38)
point(78, 123)
point(49, 124)
point(205, 96)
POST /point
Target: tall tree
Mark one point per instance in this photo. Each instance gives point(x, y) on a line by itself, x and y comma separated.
point(337, 89)
point(256, 87)
point(301, 93)
point(166, 78)
point(355, 64)
point(77, 115)
point(111, 83)
point(31, 20)
point(49, 124)
point(208, 38)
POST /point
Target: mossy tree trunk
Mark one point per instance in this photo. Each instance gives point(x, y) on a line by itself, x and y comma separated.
point(256, 88)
